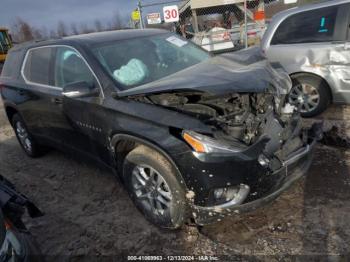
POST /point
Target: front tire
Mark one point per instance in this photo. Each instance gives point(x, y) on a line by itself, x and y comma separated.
point(154, 186)
point(311, 93)
point(25, 139)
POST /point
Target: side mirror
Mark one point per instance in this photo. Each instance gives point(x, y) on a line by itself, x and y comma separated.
point(79, 89)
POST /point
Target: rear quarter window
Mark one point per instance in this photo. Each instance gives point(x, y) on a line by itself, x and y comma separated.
point(37, 65)
point(12, 64)
point(307, 27)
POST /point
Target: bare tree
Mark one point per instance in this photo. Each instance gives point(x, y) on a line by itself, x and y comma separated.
point(117, 22)
point(109, 26)
point(74, 29)
point(84, 29)
point(98, 26)
point(61, 29)
point(44, 32)
point(37, 34)
point(53, 34)
point(22, 31)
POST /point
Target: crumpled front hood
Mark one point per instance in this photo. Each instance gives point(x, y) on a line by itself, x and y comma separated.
point(244, 71)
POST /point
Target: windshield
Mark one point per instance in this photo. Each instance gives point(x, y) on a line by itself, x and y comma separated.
point(143, 60)
point(4, 42)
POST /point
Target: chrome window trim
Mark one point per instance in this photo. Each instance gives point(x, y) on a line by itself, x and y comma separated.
point(56, 87)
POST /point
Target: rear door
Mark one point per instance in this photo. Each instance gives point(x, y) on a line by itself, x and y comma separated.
point(42, 98)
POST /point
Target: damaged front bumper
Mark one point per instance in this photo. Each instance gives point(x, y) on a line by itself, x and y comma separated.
point(292, 169)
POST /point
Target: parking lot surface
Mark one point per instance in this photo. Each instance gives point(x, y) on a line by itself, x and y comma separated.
point(87, 211)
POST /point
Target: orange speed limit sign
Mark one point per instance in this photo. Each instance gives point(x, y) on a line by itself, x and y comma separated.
point(171, 13)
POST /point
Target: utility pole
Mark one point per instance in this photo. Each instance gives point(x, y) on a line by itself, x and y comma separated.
point(139, 6)
point(245, 24)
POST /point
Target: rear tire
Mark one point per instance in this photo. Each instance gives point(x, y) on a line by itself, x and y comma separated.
point(154, 185)
point(311, 91)
point(30, 146)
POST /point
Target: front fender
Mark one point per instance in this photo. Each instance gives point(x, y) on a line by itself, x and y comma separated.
point(115, 139)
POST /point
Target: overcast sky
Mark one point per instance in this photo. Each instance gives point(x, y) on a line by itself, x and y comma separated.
point(47, 13)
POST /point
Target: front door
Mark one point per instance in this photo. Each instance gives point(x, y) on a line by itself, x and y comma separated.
point(74, 127)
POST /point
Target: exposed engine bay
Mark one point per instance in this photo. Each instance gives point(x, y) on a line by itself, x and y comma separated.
point(235, 117)
point(239, 98)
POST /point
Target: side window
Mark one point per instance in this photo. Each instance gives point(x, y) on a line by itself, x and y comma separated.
point(70, 68)
point(12, 64)
point(307, 27)
point(37, 65)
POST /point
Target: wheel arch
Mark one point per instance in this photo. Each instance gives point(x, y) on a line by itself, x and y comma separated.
point(303, 73)
point(123, 144)
point(10, 112)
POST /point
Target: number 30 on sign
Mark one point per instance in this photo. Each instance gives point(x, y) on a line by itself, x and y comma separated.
point(171, 13)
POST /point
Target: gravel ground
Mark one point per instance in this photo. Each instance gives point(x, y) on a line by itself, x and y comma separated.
point(87, 212)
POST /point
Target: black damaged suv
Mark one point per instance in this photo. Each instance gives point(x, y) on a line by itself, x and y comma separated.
point(192, 136)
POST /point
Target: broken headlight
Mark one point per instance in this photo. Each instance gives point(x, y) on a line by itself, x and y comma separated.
point(204, 144)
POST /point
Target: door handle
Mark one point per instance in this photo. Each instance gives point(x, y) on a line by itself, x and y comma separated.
point(57, 101)
point(21, 92)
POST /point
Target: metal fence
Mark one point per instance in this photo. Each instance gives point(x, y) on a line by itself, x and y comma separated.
point(219, 25)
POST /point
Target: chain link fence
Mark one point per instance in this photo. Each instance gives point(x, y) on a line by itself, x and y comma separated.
point(221, 25)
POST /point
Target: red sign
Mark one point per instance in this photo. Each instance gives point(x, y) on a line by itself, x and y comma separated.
point(171, 13)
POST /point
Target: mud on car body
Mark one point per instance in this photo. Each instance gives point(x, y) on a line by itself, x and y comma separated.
point(191, 135)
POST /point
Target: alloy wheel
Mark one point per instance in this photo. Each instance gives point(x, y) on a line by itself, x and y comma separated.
point(23, 136)
point(306, 96)
point(151, 190)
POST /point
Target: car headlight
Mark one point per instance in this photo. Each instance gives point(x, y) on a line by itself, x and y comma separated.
point(204, 144)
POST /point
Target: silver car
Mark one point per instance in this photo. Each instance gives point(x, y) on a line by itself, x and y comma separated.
point(313, 44)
